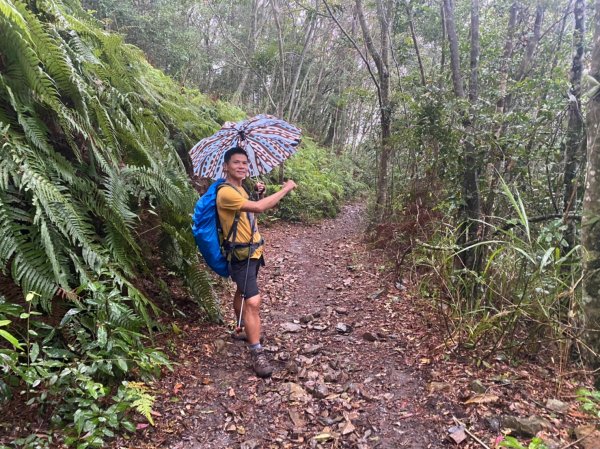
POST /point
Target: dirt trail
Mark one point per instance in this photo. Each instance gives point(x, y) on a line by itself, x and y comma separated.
point(346, 342)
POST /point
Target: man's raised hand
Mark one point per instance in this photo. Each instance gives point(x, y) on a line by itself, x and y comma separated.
point(289, 185)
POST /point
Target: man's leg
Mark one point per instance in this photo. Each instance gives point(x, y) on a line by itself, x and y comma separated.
point(237, 305)
point(245, 276)
point(260, 362)
point(251, 319)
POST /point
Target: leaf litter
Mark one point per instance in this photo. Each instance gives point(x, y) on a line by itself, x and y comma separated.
point(360, 363)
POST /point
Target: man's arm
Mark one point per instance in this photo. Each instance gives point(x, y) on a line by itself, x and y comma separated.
point(270, 201)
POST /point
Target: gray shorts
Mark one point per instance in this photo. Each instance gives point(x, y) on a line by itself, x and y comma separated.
point(245, 273)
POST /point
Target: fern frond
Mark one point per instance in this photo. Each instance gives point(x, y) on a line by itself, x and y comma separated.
point(143, 400)
point(11, 13)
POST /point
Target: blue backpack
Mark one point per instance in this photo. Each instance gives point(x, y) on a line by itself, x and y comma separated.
point(205, 227)
point(219, 250)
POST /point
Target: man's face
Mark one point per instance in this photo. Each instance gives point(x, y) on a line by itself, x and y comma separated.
point(237, 167)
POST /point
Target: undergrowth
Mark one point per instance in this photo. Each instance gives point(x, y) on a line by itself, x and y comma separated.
point(92, 139)
point(325, 182)
point(525, 299)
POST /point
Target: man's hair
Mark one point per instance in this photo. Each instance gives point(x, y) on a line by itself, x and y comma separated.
point(230, 152)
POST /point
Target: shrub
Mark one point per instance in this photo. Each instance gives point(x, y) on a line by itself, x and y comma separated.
point(325, 181)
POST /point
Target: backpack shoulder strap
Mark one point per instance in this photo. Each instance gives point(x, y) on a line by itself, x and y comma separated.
point(231, 235)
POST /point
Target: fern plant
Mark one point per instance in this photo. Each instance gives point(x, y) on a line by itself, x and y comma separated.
point(87, 133)
point(89, 140)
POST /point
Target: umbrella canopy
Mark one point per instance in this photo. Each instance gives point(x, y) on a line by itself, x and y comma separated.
point(268, 141)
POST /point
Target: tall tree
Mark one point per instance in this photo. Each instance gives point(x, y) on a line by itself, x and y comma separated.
point(382, 62)
point(471, 197)
point(591, 208)
point(574, 150)
point(381, 79)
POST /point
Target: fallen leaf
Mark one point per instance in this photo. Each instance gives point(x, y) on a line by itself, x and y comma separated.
point(141, 426)
point(482, 399)
point(231, 393)
point(457, 434)
point(296, 419)
point(322, 437)
point(177, 387)
point(348, 428)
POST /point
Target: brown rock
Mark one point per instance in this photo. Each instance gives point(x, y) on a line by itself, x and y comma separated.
point(526, 427)
point(297, 419)
point(317, 389)
point(557, 406)
point(295, 392)
point(369, 336)
point(477, 387)
point(591, 434)
point(219, 345)
point(435, 387)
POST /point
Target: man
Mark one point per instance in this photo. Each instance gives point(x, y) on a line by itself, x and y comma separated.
point(232, 199)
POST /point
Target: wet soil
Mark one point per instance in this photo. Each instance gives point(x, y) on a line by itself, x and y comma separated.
point(360, 362)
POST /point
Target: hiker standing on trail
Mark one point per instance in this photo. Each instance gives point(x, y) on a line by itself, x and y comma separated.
point(232, 202)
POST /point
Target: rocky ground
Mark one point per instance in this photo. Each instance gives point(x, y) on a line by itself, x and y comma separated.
point(361, 363)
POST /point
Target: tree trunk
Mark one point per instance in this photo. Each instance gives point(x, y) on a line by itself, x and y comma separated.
point(443, 57)
point(311, 22)
point(454, 51)
point(527, 60)
point(281, 47)
point(415, 43)
point(574, 150)
point(252, 38)
point(505, 101)
point(495, 155)
point(382, 63)
point(471, 211)
point(590, 226)
point(505, 62)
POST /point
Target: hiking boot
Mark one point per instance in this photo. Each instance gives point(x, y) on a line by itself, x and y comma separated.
point(260, 363)
point(241, 336)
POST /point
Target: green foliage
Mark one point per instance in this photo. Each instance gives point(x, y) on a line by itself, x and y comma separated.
point(92, 139)
point(142, 400)
point(88, 138)
point(522, 293)
point(325, 182)
point(536, 443)
point(73, 367)
point(590, 401)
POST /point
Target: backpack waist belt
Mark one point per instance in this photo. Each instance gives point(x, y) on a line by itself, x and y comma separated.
point(230, 246)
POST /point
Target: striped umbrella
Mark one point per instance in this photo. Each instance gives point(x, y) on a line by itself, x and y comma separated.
point(268, 141)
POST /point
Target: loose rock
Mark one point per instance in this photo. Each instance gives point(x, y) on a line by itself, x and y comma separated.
point(368, 336)
point(291, 327)
point(493, 424)
point(557, 406)
point(311, 349)
point(435, 387)
point(295, 392)
point(317, 389)
point(526, 427)
point(250, 444)
point(592, 437)
point(343, 328)
point(477, 387)
point(307, 319)
point(219, 345)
